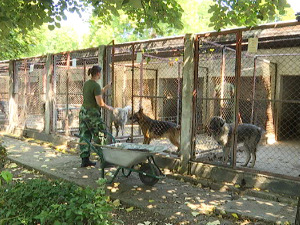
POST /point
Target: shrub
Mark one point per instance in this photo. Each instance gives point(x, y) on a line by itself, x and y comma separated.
point(3, 154)
point(53, 202)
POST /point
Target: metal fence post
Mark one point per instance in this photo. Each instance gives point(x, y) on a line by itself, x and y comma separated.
point(187, 102)
point(238, 68)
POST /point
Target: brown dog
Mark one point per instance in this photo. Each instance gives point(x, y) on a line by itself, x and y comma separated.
point(153, 129)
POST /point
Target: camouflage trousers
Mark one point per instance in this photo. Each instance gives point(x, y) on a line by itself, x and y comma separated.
point(91, 127)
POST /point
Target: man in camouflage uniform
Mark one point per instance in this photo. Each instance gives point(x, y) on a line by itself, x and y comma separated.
point(91, 125)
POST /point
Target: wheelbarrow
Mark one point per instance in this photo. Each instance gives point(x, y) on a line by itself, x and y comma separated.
point(129, 157)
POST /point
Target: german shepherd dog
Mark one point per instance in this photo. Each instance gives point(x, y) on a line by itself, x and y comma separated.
point(153, 129)
point(248, 134)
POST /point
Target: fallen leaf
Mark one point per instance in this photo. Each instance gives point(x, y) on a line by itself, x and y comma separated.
point(116, 203)
point(12, 165)
point(237, 186)
point(129, 209)
point(217, 222)
point(195, 214)
point(235, 215)
point(147, 222)
point(151, 200)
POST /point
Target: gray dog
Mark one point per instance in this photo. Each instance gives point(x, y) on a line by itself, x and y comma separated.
point(248, 134)
point(120, 117)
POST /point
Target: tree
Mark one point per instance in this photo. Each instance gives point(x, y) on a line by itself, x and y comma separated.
point(20, 17)
point(245, 12)
point(43, 41)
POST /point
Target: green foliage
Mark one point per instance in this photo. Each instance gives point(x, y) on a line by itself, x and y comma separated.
point(7, 176)
point(46, 41)
point(3, 154)
point(245, 13)
point(29, 28)
point(23, 15)
point(53, 202)
point(20, 17)
point(143, 13)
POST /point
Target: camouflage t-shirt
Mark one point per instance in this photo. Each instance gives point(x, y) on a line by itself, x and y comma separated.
point(91, 89)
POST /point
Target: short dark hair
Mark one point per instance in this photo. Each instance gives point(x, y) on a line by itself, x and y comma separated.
point(94, 70)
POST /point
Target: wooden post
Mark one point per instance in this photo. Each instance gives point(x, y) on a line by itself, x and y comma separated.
point(49, 93)
point(187, 103)
point(13, 98)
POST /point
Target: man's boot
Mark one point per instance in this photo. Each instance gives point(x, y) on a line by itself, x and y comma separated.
point(86, 162)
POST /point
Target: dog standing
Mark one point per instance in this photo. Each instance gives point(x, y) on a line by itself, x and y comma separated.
point(153, 129)
point(248, 134)
point(120, 117)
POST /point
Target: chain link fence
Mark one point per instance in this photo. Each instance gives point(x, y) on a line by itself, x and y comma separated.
point(148, 75)
point(30, 88)
point(70, 73)
point(266, 94)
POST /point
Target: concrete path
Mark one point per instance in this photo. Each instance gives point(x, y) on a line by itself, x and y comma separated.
point(170, 197)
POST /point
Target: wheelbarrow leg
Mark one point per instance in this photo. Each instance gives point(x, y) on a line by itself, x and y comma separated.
point(115, 174)
point(102, 166)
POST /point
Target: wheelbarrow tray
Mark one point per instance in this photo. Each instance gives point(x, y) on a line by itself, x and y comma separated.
point(129, 154)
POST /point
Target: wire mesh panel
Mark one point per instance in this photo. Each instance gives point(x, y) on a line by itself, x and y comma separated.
point(70, 73)
point(150, 79)
point(267, 107)
point(215, 85)
point(4, 93)
point(31, 90)
point(270, 98)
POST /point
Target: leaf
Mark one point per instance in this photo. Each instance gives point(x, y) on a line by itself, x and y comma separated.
point(217, 222)
point(151, 200)
point(57, 25)
point(13, 165)
point(195, 214)
point(135, 3)
point(51, 27)
point(129, 209)
point(237, 186)
point(7, 176)
point(116, 202)
point(235, 215)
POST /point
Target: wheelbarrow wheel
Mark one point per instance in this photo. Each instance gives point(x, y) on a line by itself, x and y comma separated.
point(147, 168)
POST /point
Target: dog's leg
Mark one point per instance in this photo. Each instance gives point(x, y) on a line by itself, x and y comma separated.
point(253, 154)
point(248, 156)
point(175, 142)
point(122, 128)
point(117, 130)
point(147, 140)
point(226, 151)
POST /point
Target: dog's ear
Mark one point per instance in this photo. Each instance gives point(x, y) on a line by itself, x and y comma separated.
point(141, 110)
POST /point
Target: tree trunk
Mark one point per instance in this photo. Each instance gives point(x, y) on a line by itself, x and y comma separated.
point(297, 220)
